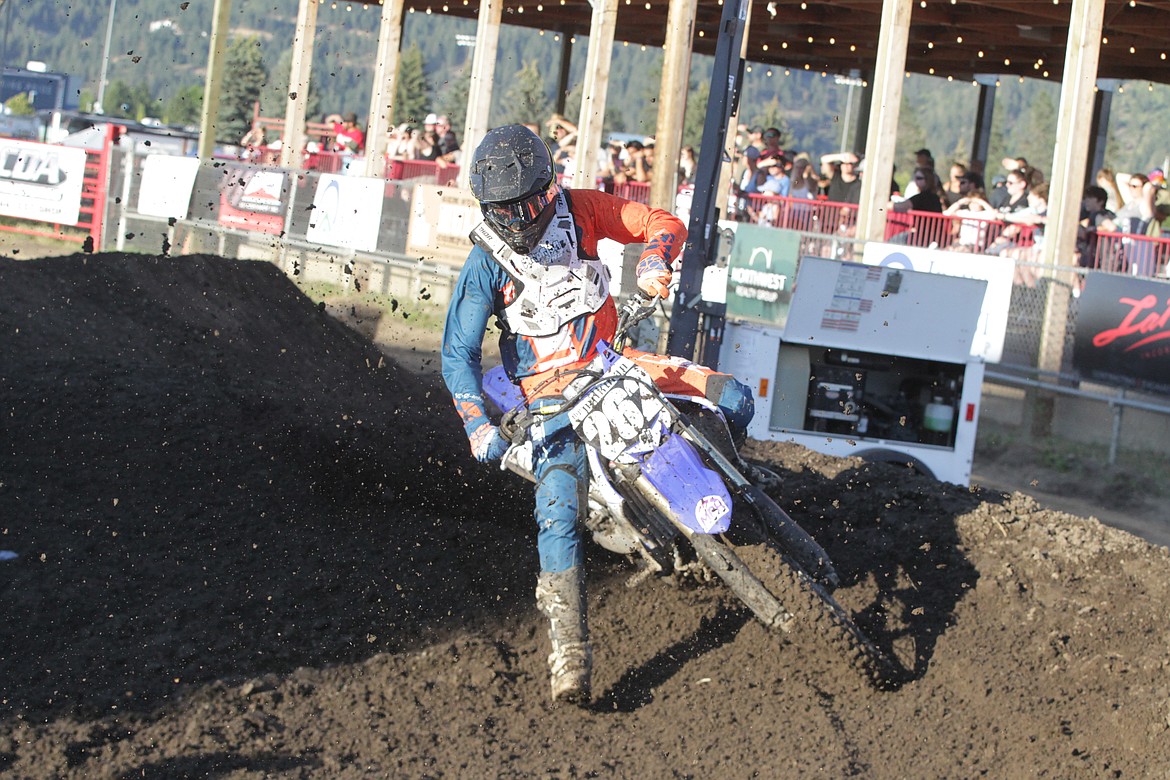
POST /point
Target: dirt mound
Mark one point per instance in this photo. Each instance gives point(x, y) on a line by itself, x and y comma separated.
point(249, 543)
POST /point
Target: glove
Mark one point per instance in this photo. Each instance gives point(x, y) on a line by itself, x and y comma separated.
point(655, 284)
point(487, 444)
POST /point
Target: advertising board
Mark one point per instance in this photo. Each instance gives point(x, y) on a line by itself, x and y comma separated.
point(41, 181)
point(166, 185)
point(347, 211)
point(760, 271)
point(253, 199)
point(1123, 332)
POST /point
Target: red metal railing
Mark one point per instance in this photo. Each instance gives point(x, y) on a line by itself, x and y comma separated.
point(1129, 254)
point(804, 214)
point(429, 170)
point(633, 190)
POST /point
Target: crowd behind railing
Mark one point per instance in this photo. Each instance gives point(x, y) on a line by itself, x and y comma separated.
point(1122, 216)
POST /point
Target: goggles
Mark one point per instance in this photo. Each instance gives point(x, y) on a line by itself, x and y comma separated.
point(520, 214)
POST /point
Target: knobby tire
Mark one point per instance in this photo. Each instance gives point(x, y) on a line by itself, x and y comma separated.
point(783, 597)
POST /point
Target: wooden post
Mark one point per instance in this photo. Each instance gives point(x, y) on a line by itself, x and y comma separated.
point(672, 102)
point(483, 69)
point(882, 138)
point(381, 117)
point(293, 140)
point(1074, 125)
point(602, 27)
point(211, 88)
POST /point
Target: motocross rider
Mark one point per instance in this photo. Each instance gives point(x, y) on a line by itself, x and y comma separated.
point(534, 266)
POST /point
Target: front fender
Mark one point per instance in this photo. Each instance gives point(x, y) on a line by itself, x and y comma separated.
point(697, 496)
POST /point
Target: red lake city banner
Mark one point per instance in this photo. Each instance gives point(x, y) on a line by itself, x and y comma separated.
point(1123, 332)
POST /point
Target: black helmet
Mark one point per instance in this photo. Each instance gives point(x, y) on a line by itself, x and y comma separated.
point(512, 177)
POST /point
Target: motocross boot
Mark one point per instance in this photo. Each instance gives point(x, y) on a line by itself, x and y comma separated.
point(561, 597)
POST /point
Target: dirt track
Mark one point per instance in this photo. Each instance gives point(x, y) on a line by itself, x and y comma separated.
point(250, 544)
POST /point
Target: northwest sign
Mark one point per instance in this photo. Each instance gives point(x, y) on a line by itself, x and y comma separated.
point(761, 268)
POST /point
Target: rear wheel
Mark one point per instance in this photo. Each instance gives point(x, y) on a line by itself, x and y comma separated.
point(783, 597)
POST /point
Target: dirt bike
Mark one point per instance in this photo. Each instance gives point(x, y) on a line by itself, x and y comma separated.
point(667, 488)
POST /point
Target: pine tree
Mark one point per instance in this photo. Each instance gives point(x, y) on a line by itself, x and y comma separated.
point(244, 79)
point(455, 98)
point(185, 107)
point(412, 94)
point(125, 101)
point(526, 100)
point(274, 96)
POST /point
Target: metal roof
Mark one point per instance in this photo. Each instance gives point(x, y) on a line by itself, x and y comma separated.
point(948, 38)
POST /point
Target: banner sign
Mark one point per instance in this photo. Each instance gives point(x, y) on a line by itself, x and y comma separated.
point(253, 199)
point(1123, 332)
point(760, 271)
point(167, 182)
point(347, 211)
point(41, 181)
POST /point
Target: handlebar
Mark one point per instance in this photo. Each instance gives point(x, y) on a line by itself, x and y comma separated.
point(633, 310)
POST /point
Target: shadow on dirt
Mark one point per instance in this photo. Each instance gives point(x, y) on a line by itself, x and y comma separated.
point(898, 551)
point(636, 687)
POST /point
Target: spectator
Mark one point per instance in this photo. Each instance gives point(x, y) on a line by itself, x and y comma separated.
point(845, 184)
point(609, 164)
point(772, 138)
point(751, 154)
point(1094, 214)
point(687, 164)
point(1106, 179)
point(1015, 193)
point(564, 137)
point(976, 214)
point(998, 197)
point(1013, 241)
point(252, 143)
point(1138, 212)
point(637, 168)
point(776, 180)
point(927, 198)
point(922, 159)
point(448, 145)
point(1024, 253)
point(952, 189)
point(803, 180)
point(347, 135)
point(400, 142)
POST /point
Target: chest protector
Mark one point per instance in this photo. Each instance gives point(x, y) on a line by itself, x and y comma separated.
point(553, 284)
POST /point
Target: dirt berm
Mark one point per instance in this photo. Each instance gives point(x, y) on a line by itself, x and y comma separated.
point(245, 542)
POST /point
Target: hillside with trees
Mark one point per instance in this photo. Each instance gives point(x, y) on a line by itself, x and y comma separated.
point(159, 56)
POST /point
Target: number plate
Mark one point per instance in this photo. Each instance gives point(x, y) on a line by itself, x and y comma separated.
point(623, 413)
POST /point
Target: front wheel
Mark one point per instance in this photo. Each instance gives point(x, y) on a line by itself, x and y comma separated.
point(783, 597)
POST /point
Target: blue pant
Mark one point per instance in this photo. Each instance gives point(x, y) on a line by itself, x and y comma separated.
point(562, 479)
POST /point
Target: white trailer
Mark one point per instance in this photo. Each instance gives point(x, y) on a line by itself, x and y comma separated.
point(872, 361)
